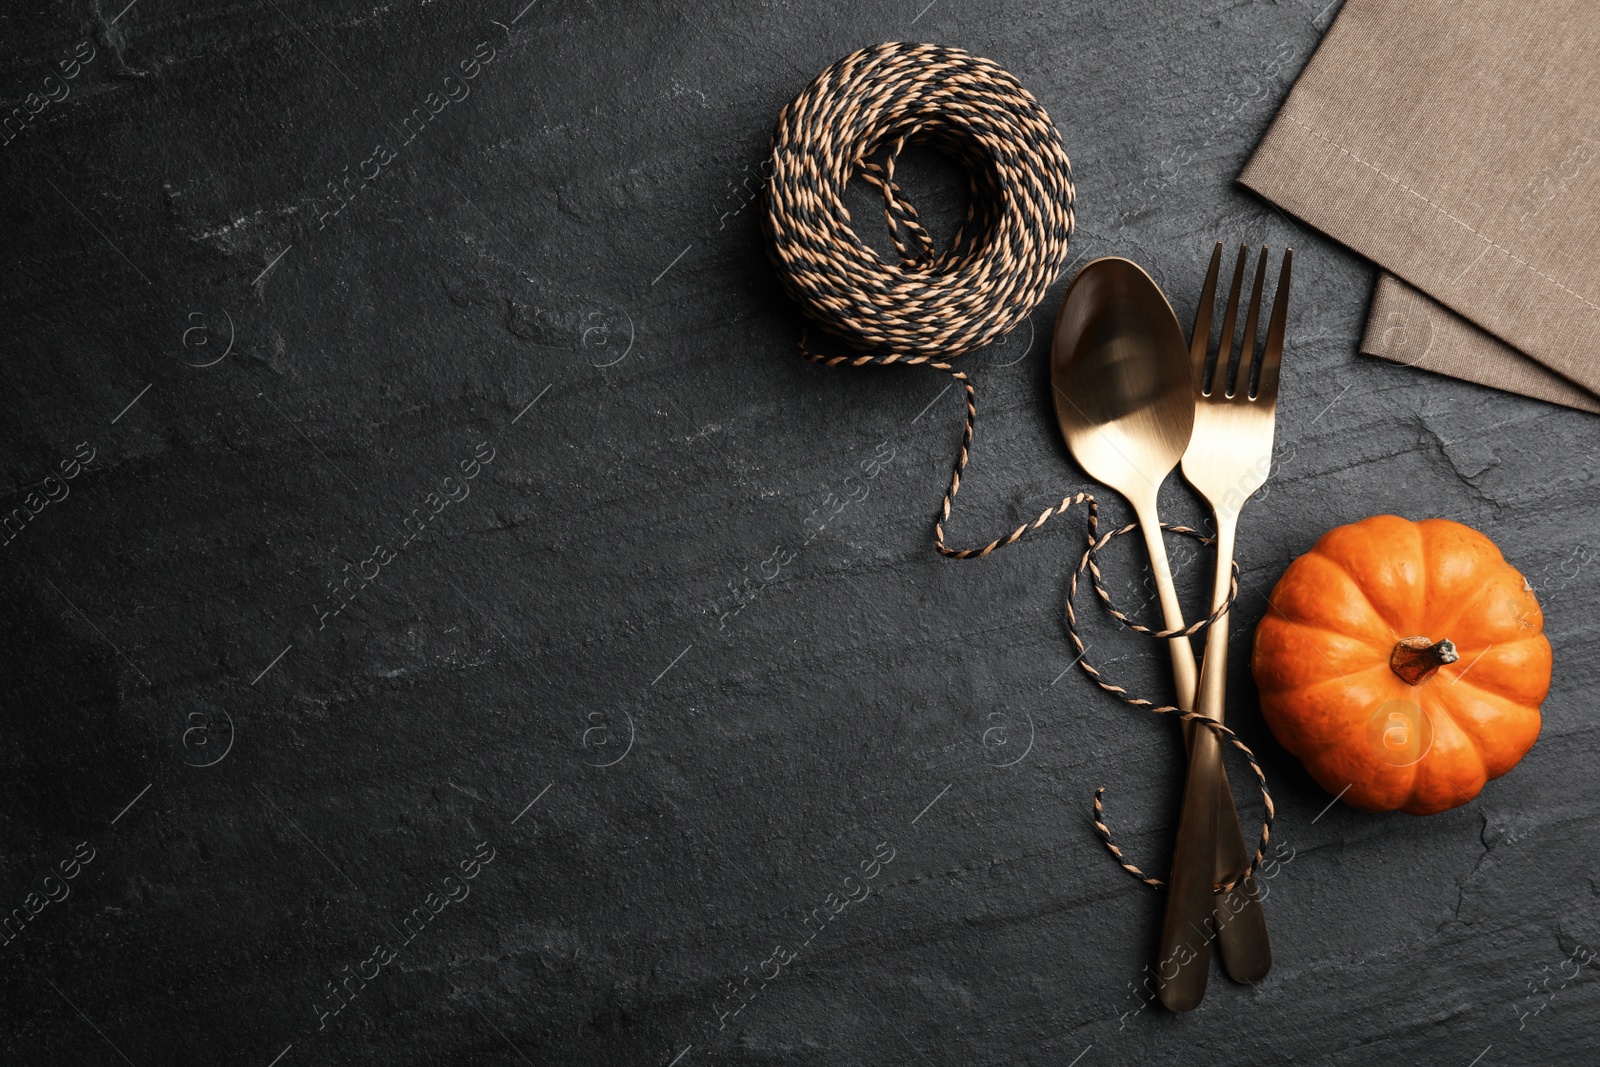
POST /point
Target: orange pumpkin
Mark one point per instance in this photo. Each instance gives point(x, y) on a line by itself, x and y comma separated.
point(1404, 663)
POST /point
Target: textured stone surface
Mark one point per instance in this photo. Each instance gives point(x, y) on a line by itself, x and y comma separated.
point(572, 235)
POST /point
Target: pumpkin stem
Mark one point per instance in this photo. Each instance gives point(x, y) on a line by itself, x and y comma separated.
point(1415, 659)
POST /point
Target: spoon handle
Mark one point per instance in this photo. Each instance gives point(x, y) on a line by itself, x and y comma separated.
point(1184, 677)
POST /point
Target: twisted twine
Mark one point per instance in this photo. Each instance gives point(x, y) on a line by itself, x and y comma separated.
point(1007, 251)
point(931, 306)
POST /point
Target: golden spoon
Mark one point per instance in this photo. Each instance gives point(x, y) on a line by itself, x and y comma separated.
point(1124, 398)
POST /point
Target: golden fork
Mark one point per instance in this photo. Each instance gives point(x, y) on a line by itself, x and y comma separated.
point(1227, 461)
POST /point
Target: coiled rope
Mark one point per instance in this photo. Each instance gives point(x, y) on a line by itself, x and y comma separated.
point(933, 306)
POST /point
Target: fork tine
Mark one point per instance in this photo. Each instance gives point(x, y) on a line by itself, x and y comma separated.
point(1223, 374)
point(1272, 355)
point(1239, 374)
point(1200, 336)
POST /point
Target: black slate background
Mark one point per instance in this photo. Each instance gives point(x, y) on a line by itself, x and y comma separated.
point(573, 235)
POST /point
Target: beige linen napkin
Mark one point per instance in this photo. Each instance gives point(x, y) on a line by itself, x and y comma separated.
point(1404, 326)
point(1457, 144)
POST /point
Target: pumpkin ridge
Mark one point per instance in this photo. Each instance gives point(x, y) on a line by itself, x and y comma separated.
point(1310, 749)
point(1427, 588)
point(1356, 581)
point(1336, 679)
point(1466, 606)
point(1312, 627)
point(1472, 652)
point(1439, 704)
point(1437, 708)
point(1487, 690)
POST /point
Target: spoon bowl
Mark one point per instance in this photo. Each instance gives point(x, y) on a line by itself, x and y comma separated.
point(1119, 372)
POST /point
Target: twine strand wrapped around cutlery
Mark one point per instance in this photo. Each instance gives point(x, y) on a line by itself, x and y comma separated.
point(933, 307)
point(1087, 563)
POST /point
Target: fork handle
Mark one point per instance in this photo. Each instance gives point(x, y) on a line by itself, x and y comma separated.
point(1191, 900)
point(1185, 933)
point(1211, 696)
point(1241, 927)
point(1241, 924)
